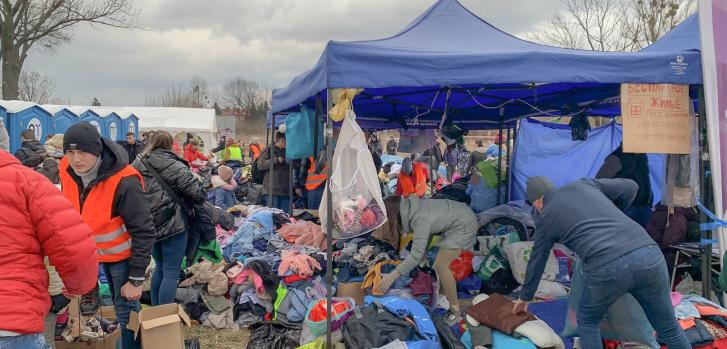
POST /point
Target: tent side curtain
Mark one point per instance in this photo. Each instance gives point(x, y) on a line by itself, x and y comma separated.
point(448, 46)
point(546, 149)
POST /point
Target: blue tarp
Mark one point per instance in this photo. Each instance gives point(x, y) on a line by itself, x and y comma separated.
point(450, 58)
point(545, 149)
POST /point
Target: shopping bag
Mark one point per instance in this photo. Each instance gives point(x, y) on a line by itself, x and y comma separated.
point(358, 206)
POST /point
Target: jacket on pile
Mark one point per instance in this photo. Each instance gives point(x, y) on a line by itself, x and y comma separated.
point(280, 175)
point(169, 217)
point(31, 153)
point(130, 203)
point(38, 221)
point(132, 150)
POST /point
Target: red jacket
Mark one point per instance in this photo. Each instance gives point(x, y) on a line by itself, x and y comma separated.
point(38, 221)
point(192, 155)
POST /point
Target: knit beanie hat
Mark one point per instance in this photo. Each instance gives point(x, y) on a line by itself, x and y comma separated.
point(225, 173)
point(83, 136)
point(538, 187)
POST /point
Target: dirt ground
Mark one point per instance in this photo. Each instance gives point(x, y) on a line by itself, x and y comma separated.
point(218, 339)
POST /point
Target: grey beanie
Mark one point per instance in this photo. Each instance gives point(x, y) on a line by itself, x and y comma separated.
point(538, 187)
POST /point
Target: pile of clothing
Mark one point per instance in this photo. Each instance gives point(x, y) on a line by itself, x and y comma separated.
point(704, 322)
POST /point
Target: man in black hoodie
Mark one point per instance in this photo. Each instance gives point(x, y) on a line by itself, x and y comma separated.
point(31, 153)
point(97, 179)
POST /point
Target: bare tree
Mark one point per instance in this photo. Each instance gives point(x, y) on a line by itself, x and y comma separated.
point(245, 96)
point(36, 88)
point(95, 102)
point(24, 23)
point(613, 25)
point(194, 95)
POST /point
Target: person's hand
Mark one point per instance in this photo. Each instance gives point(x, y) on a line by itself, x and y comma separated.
point(387, 280)
point(131, 292)
point(280, 160)
point(520, 307)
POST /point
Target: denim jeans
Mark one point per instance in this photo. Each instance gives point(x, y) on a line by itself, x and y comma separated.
point(168, 255)
point(117, 275)
point(26, 341)
point(315, 196)
point(224, 198)
point(280, 202)
point(642, 273)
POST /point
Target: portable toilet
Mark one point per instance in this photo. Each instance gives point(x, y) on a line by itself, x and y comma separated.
point(23, 115)
point(62, 118)
point(112, 127)
point(90, 116)
point(131, 124)
point(4, 116)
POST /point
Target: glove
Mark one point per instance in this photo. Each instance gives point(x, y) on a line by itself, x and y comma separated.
point(386, 281)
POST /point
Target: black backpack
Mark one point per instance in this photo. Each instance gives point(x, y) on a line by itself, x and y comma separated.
point(256, 175)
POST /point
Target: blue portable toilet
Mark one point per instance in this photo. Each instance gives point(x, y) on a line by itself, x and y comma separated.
point(112, 127)
point(4, 116)
point(90, 116)
point(131, 124)
point(62, 118)
point(23, 115)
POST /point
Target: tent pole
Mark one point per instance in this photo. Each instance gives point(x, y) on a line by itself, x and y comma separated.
point(499, 163)
point(329, 221)
point(432, 163)
point(507, 164)
point(272, 162)
point(290, 185)
point(707, 234)
point(516, 127)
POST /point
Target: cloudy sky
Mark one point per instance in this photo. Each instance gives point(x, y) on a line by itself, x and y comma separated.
point(269, 41)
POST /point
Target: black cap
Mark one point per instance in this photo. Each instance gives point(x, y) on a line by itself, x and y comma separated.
point(83, 136)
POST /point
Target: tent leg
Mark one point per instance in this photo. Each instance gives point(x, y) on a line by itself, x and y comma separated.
point(499, 168)
point(707, 235)
point(432, 163)
point(291, 195)
point(272, 162)
point(507, 164)
point(329, 221)
point(510, 152)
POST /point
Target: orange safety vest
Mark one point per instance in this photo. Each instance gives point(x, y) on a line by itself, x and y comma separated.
point(255, 151)
point(416, 183)
point(112, 239)
point(314, 180)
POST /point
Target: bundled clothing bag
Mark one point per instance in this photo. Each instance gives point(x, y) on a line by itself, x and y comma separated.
point(300, 132)
point(358, 206)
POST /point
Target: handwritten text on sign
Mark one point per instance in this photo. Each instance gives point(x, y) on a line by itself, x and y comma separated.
point(656, 118)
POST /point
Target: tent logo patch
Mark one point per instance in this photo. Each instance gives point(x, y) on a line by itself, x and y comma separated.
point(679, 67)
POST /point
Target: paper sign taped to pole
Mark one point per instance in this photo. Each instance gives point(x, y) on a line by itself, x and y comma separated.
point(656, 118)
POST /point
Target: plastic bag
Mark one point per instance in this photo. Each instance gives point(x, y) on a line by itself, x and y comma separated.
point(300, 131)
point(518, 255)
point(315, 320)
point(462, 266)
point(358, 206)
point(624, 321)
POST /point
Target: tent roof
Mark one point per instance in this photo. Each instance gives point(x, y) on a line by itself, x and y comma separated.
point(449, 57)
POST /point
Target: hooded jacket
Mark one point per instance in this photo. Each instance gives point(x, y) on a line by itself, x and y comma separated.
point(192, 155)
point(280, 175)
point(132, 150)
point(169, 217)
point(38, 221)
point(130, 203)
point(31, 153)
point(427, 217)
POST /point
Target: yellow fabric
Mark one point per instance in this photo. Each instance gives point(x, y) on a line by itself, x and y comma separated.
point(373, 277)
point(343, 102)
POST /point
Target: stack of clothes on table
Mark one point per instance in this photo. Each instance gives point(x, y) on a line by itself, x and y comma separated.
point(704, 322)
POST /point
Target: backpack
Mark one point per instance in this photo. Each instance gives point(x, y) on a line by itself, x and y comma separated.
point(256, 175)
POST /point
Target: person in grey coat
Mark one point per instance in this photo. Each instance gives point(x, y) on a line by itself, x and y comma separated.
point(457, 225)
point(169, 214)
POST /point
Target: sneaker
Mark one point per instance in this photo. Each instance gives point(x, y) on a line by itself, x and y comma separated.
point(90, 302)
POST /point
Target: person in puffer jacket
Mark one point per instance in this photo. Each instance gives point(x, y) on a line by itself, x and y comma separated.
point(159, 163)
point(37, 221)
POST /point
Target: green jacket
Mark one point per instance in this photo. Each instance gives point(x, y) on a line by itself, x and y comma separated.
point(427, 217)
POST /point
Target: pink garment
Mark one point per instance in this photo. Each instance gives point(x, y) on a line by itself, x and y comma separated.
point(304, 233)
point(256, 279)
point(223, 236)
point(295, 262)
point(676, 298)
point(368, 218)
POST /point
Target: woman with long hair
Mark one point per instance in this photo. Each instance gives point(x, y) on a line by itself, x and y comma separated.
point(172, 190)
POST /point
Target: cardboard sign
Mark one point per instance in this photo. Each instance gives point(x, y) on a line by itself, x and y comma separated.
point(656, 118)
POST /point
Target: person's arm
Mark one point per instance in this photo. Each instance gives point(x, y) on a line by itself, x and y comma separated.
point(132, 205)
point(188, 187)
point(610, 167)
point(536, 265)
point(621, 191)
point(63, 235)
point(263, 162)
point(201, 156)
point(418, 247)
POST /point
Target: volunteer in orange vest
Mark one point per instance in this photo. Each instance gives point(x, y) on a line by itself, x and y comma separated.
point(98, 181)
point(254, 150)
point(412, 179)
point(316, 180)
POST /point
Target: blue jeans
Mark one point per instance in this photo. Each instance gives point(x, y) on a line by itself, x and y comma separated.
point(118, 275)
point(315, 196)
point(26, 341)
point(643, 274)
point(640, 214)
point(224, 198)
point(168, 255)
point(280, 202)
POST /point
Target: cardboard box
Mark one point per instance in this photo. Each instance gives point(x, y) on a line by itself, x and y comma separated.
point(108, 342)
point(160, 326)
point(352, 290)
